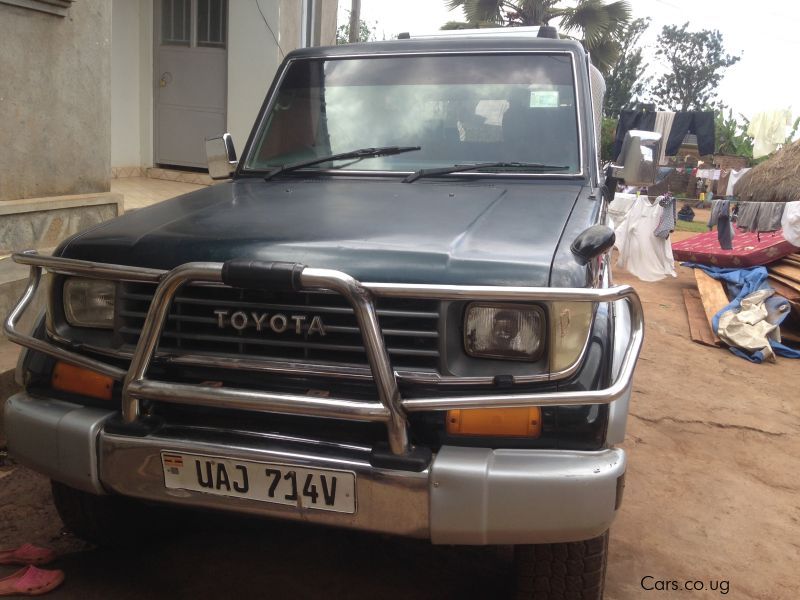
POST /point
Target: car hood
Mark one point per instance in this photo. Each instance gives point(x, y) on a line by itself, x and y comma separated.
point(376, 230)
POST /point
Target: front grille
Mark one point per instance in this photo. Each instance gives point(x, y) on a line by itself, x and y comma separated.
point(410, 326)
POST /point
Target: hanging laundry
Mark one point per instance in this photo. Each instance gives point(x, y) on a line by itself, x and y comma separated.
point(666, 222)
point(734, 177)
point(711, 174)
point(663, 125)
point(721, 218)
point(641, 253)
point(790, 222)
point(768, 130)
point(619, 207)
point(699, 123)
point(760, 217)
point(632, 119)
point(769, 216)
point(722, 182)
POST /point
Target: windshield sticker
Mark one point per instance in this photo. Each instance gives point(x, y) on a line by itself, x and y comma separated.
point(543, 99)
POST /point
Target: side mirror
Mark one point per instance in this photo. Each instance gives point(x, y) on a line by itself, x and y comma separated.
point(592, 242)
point(221, 156)
point(638, 159)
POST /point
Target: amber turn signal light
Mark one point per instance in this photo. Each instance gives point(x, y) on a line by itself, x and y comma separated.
point(77, 380)
point(499, 422)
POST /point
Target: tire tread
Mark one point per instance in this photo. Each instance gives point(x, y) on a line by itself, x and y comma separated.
point(570, 571)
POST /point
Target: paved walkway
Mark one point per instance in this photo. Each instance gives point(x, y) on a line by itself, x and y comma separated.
point(140, 192)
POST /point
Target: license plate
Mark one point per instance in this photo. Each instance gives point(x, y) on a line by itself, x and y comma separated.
point(266, 482)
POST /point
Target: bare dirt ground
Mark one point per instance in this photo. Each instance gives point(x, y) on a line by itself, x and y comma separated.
point(712, 496)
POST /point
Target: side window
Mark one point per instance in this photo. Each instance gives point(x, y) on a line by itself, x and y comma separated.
point(212, 25)
point(175, 22)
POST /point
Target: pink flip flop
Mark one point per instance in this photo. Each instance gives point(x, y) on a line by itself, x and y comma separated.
point(27, 554)
point(30, 581)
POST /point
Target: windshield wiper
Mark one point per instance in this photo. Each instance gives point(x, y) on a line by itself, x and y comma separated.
point(360, 153)
point(492, 165)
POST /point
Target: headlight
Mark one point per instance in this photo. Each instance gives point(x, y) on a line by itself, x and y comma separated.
point(89, 302)
point(504, 331)
point(570, 323)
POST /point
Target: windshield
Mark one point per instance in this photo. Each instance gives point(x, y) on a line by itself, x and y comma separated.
point(460, 109)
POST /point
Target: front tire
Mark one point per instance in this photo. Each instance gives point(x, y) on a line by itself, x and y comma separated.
point(106, 520)
point(565, 571)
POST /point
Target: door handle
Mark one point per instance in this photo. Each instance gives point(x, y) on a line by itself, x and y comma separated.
point(166, 78)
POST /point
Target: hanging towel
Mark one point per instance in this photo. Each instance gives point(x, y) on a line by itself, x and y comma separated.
point(761, 217)
point(747, 216)
point(769, 216)
point(663, 125)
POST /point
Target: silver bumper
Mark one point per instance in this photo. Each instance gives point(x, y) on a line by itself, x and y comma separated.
point(467, 496)
point(392, 408)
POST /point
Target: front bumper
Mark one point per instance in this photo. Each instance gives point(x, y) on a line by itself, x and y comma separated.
point(466, 496)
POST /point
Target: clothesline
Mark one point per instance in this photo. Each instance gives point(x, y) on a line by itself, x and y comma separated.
point(734, 201)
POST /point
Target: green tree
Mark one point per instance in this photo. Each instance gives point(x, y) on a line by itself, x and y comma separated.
point(625, 80)
point(731, 135)
point(597, 22)
point(608, 131)
point(365, 32)
point(696, 62)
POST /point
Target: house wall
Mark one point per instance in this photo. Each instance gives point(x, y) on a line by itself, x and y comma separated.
point(125, 83)
point(146, 82)
point(329, 11)
point(253, 58)
point(254, 55)
point(55, 104)
point(131, 83)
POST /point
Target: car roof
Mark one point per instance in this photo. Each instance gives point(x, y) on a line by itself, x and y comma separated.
point(483, 43)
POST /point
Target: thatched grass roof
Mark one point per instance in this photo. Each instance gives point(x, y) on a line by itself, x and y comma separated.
point(774, 180)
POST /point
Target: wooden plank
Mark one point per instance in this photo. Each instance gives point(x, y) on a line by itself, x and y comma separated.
point(788, 271)
point(790, 336)
point(790, 261)
point(699, 328)
point(785, 287)
point(712, 295)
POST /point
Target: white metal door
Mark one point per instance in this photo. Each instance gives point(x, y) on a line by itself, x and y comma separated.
point(191, 67)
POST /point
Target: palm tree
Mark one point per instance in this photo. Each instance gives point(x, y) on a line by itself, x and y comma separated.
point(598, 22)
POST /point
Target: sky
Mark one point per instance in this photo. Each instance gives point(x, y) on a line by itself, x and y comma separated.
point(764, 34)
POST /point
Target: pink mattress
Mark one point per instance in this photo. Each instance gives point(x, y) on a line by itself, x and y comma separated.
point(748, 250)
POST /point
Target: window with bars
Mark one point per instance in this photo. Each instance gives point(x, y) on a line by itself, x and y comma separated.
point(212, 23)
point(176, 18)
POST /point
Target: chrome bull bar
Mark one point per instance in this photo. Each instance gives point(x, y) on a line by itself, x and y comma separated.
point(392, 409)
